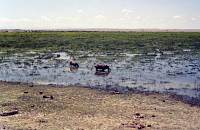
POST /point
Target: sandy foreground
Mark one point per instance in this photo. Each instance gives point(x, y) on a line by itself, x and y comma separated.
point(77, 108)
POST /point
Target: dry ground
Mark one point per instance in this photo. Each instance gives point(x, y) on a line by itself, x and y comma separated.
point(75, 108)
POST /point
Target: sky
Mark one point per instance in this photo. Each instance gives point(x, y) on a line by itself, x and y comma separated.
point(117, 14)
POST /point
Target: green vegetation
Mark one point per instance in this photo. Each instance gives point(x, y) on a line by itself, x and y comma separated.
point(98, 41)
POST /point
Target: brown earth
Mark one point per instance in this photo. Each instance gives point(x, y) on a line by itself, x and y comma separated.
point(75, 108)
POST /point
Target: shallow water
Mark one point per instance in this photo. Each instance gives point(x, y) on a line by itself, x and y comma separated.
point(170, 72)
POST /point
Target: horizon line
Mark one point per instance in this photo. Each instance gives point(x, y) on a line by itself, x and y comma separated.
point(107, 29)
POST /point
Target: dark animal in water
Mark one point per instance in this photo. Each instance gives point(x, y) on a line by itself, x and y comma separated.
point(102, 68)
point(72, 64)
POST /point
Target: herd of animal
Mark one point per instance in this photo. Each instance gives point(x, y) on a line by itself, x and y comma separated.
point(100, 68)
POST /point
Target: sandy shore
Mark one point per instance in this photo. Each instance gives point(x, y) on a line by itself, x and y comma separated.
point(76, 108)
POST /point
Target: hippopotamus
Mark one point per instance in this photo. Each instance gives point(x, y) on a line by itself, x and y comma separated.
point(102, 68)
point(73, 64)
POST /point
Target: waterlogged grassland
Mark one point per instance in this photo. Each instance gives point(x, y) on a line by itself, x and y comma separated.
point(133, 42)
point(83, 108)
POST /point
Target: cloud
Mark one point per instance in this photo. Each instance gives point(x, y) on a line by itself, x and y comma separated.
point(177, 17)
point(138, 17)
point(100, 17)
point(9, 20)
point(186, 18)
point(5, 20)
point(81, 12)
point(45, 18)
point(193, 19)
point(127, 12)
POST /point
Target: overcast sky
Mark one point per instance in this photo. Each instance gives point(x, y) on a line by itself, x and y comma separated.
point(124, 14)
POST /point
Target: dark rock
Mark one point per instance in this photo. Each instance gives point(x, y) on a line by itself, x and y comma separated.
point(137, 114)
point(25, 92)
point(140, 126)
point(171, 89)
point(34, 74)
point(10, 113)
point(51, 97)
point(46, 67)
point(115, 92)
point(48, 97)
point(148, 125)
point(123, 124)
point(2, 127)
point(42, 121)
point(31, 85)
point(32, 106)
point(58, 55)
point(135, 125)
point(80, 129)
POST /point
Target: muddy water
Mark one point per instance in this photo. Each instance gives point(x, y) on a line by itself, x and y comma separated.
point(170, 72)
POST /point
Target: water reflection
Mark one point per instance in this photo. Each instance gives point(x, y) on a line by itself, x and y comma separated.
point(73, 69)
point(104, 74)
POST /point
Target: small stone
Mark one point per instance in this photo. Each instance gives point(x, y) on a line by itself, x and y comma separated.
point(137, 114)
point(140, 126)
point(50, 97)
point(43, 121)
point(115, 92)
point(10, 113)
point(32, 106)
point(31, 85)
point(148, 125)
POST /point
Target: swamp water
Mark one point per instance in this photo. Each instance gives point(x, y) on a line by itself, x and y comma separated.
point(169, 72)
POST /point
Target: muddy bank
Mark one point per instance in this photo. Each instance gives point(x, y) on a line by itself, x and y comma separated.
point(50, 108)
point(193, 101)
